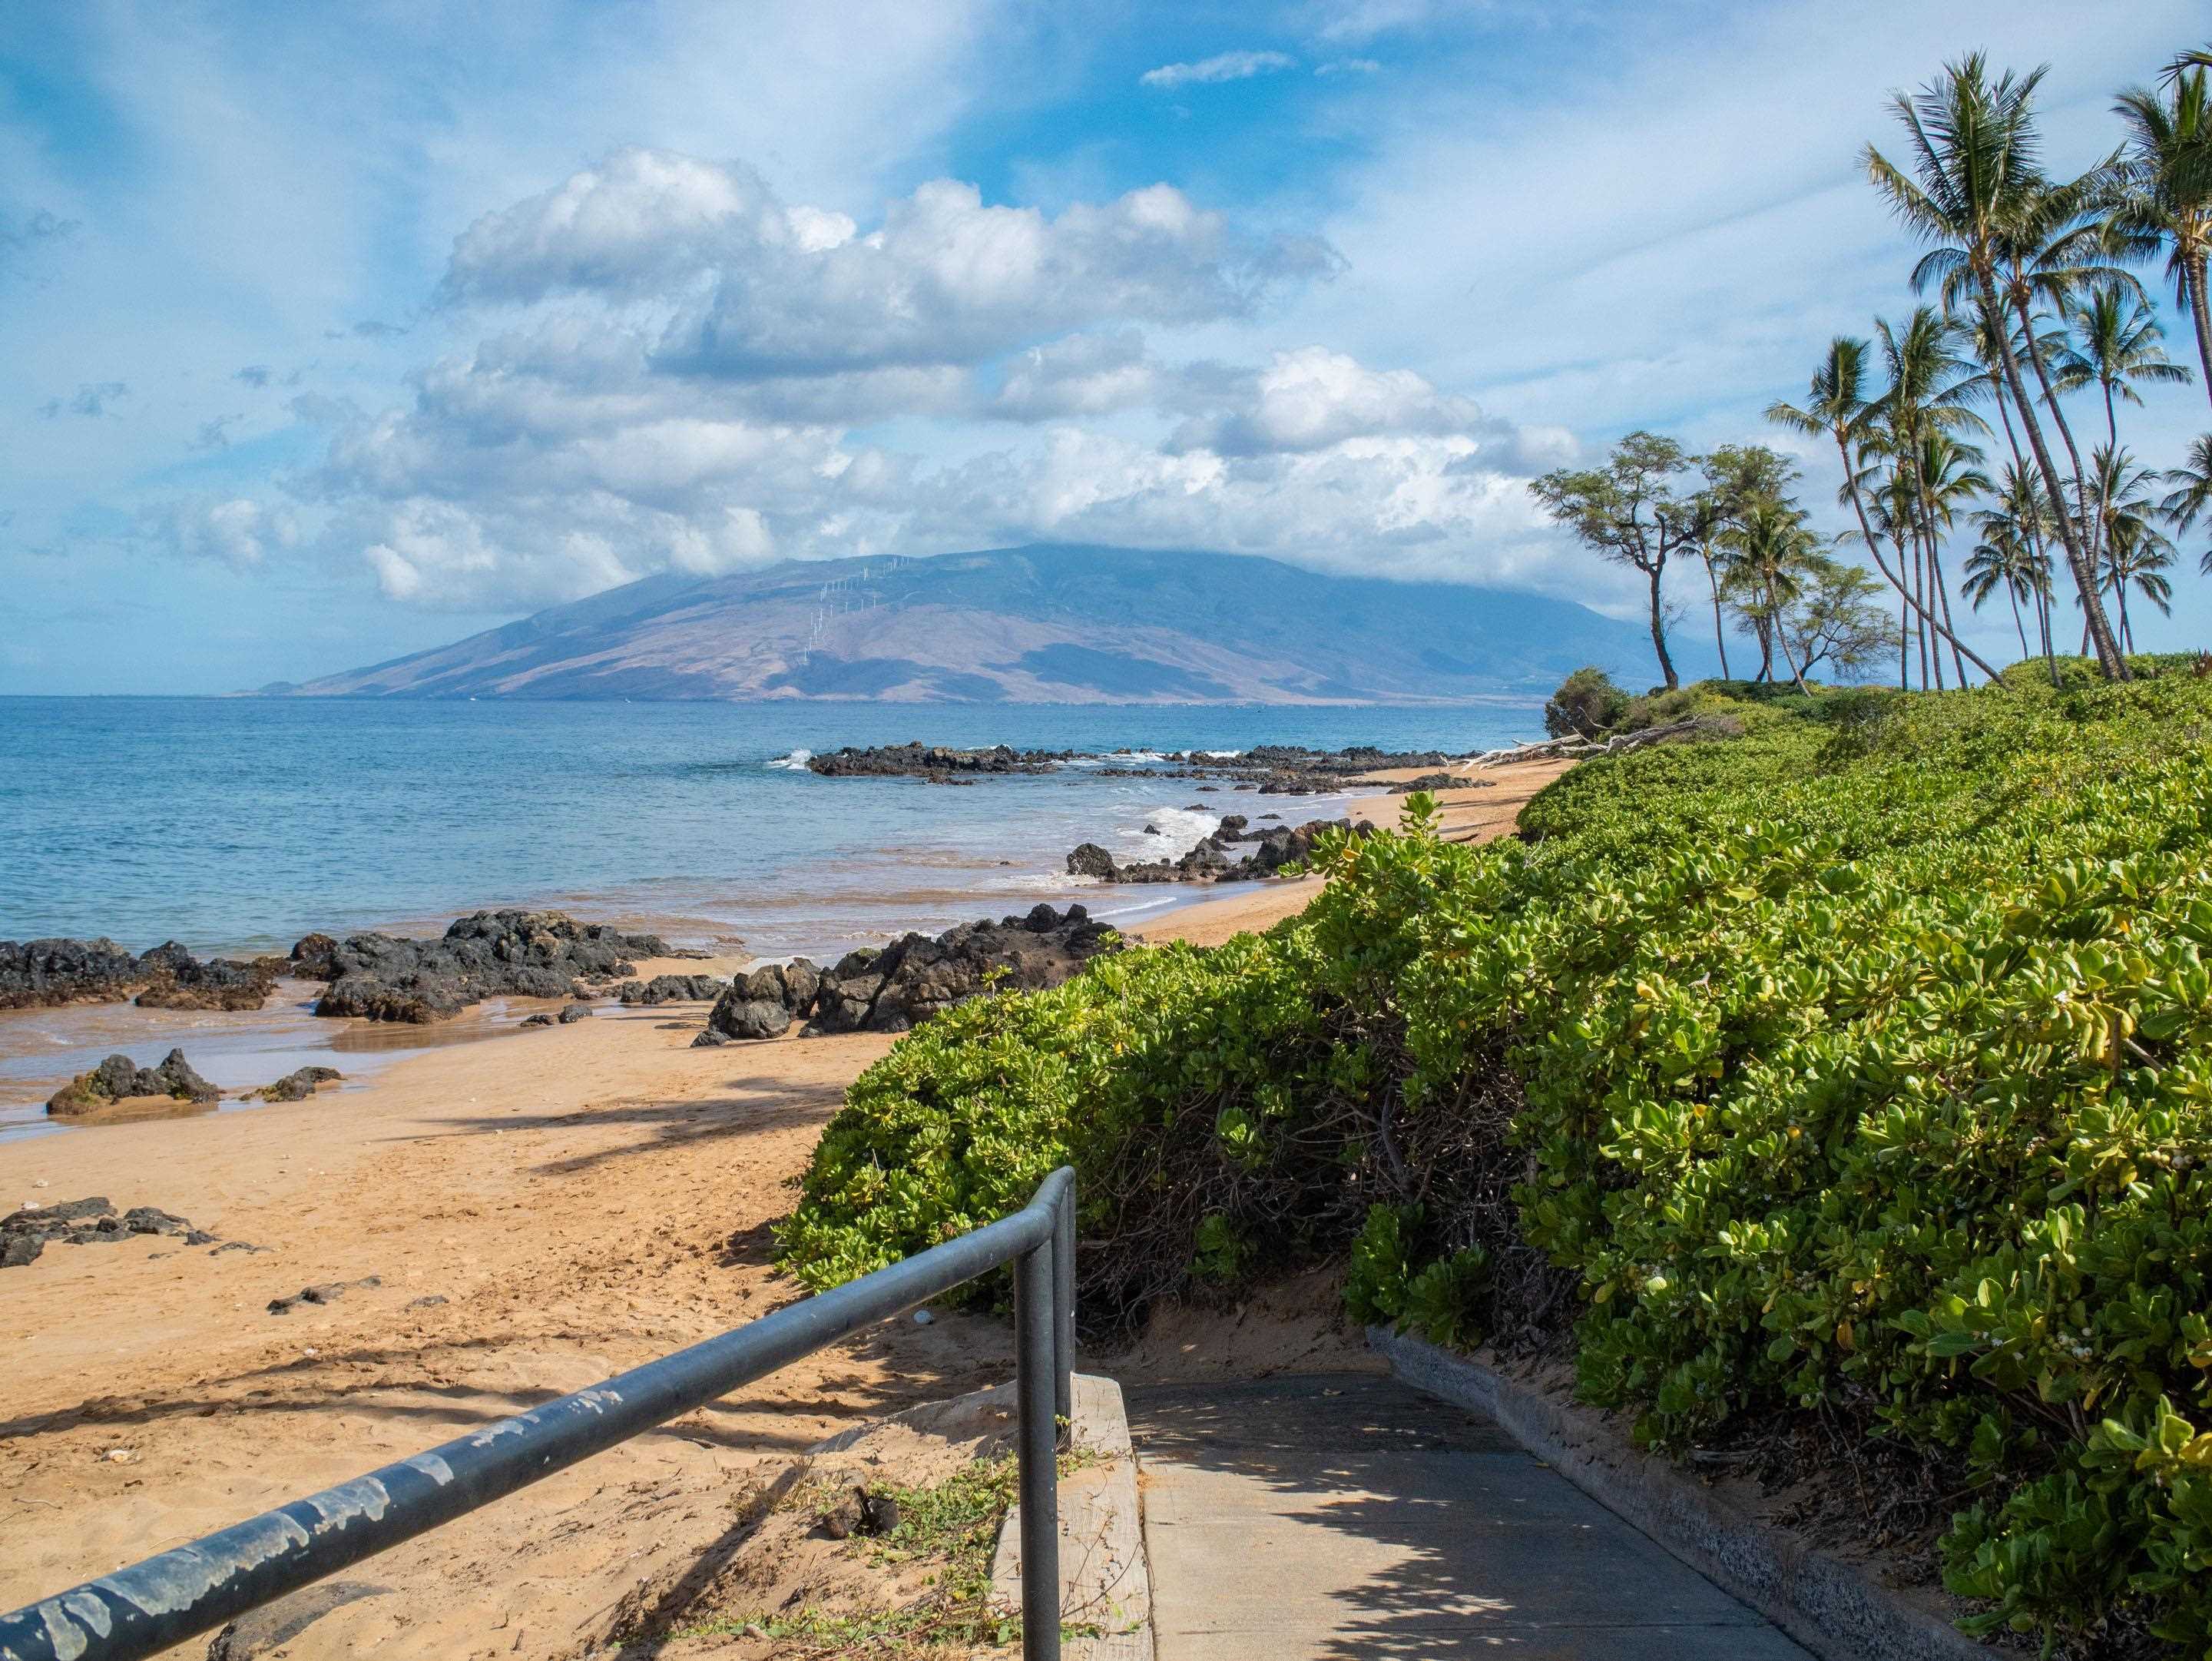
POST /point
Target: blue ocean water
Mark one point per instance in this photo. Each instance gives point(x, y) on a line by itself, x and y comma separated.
point(237, 824)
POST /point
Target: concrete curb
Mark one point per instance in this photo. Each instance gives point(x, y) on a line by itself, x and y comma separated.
point(1105, 1580)
point(1824, 1603)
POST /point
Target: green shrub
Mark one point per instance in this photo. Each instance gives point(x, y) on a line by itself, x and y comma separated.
point(1858, 1068)
point(1587, 704)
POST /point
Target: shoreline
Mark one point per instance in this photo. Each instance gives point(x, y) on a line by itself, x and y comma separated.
point(534, 1215)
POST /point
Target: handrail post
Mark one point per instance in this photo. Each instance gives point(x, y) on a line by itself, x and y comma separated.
point(1036, 1323)
point(1063, 1309)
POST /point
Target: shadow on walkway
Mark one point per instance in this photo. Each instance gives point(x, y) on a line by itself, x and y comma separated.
point(1324, 1517)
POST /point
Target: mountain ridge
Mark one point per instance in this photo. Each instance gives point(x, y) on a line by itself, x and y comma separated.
point(1041, 623)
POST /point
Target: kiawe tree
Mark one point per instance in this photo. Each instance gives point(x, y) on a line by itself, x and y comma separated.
point(1631, 512)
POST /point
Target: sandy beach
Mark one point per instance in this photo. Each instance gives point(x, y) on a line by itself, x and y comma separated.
point(512, 1218)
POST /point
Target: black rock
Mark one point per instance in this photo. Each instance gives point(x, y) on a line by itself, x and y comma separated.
point(1090, 860)
point(176, 980)
point(17, 1249)
point(119, 1076)
point(916, 977)
point(533, 954)
point(296, 1085)
point(671, 988)
point(571, 1013)
point(538, 1020)
point(762, 1003)
point(147, 1220)
point(933, 762)
point(36, 974)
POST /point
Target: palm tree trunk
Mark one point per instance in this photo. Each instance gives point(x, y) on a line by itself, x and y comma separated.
point(2192, 280)
point(1873, 548)
point(1720, 638)
point(2034, 538)
point(1659, 635)
point(1920, 578)
point(2019, 628)
point(1782, 634)
point(1904, 642)
point(1943, 594)
point(2085, 582)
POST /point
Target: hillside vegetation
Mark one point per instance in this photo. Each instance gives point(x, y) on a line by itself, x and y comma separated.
point(1853, 1074)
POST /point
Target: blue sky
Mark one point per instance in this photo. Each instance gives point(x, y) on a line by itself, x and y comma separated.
point(330, 337)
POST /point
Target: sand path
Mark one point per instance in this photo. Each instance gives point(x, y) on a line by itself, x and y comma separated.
point(539, 1209)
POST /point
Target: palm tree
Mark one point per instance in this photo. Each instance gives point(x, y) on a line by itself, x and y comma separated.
point(1771, 543)
point(2114, 345)
point(2192, 492)
point(2003, 559)
point(1948, 474)
point(2166, 189)
point(2137, 553)
point(2002, 235)
point(1837, 409)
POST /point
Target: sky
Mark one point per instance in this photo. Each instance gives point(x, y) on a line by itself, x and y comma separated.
point(328, 335)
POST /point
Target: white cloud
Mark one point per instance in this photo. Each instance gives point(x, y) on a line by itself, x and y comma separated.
point(241, 532)
point(1223, 66)
point(1349, 66)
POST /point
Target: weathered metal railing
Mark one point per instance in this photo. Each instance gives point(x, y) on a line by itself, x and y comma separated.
point(146, 1608)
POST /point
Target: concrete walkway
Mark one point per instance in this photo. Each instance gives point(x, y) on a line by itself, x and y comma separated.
point(1321, 1519)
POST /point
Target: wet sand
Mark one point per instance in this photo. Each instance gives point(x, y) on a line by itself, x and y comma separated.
point(540, 1209)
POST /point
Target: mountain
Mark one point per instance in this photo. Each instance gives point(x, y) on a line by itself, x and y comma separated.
point(1044, 624)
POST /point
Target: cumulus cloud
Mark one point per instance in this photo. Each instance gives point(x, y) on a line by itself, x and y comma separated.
point(1223, 66)
point(675, 368)
point(239, 533)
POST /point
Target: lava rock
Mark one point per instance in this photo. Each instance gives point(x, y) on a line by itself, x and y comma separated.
point(538, 1020)
point(1090, 860)
point(671, 988)
point(933, 762)
point(296, 1085)
point(762, 1003)
point(533, 954)
point(916, 977)
point(176, 980)
point(119, 1077)
point(574, 1013)
point(41, 973)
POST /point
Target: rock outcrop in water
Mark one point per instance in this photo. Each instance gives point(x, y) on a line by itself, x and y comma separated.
point(296, 1085)
point(490, 954)
point(120, 1079)
point(927, 761)
point(1216, 859)
point(42, 974)
point(179, 981)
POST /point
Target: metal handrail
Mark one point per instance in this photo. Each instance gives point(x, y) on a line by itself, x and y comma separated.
point(146, 1608)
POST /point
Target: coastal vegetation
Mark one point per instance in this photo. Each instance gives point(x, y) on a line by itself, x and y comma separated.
point(2030, 312)
point(1833, 1091)
point(1834, 1094)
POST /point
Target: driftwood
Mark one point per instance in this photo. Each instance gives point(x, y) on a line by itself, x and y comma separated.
point(1576, 747)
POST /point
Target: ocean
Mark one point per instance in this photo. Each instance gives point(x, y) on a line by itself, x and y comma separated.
point(236, 825)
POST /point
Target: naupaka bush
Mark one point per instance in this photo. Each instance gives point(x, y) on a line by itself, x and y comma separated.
point(1861, 1066)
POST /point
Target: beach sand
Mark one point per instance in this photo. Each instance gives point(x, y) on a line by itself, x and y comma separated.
point(537, 1210)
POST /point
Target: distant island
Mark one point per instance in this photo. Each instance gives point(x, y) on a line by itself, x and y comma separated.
point(1039, 624)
